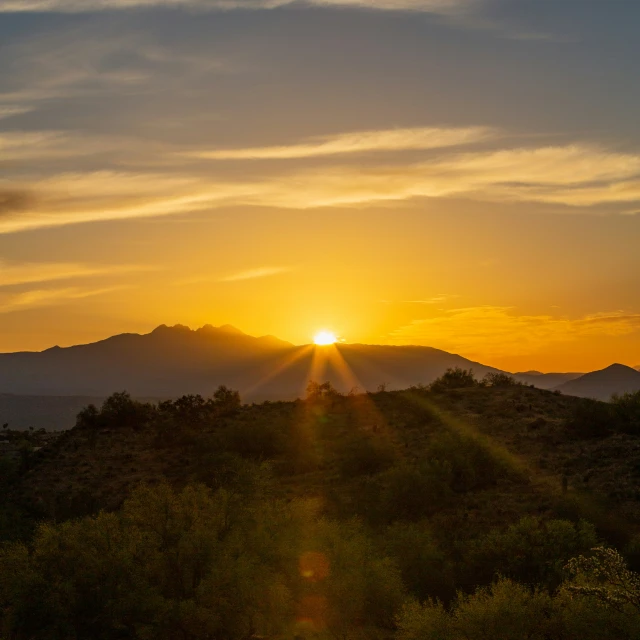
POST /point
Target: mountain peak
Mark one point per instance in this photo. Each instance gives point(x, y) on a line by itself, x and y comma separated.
point(618, 368)
point(163, 328)
point(228, 328)
point(602, 384)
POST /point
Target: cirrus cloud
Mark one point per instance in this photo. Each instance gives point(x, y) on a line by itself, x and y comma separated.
point(86, 6)
point(359, 142)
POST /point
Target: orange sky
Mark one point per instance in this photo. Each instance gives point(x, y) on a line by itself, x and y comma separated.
point(443, 173)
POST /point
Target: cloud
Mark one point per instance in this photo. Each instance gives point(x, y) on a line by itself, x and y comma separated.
point(8, 111)
point(13, 200)
point(50, 145)
point(499, 331)
point(71, 63)
point(579, 176)
point(50, 297)
point(443, 297)
point(359, 142)
point(29, 273)
point(86, 6)
point(251, 274)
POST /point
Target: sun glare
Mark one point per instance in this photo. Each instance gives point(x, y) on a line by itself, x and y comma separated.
point(324, 338)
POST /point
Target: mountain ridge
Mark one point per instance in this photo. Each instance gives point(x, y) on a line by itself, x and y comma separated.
point(171, 361)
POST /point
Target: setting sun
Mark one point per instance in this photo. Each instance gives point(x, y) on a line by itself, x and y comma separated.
point(324, 338)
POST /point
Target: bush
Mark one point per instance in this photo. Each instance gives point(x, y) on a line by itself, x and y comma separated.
point(471, 462)
point(591, 419)
point(626, 412)
point(365, 456)
point(454, 379)
point(413, 491)
point(511, 611)
point(190, 565)
point(532, 551)
point(118, 411)
point(499, 379)
point(325, 391)
point(426, 571)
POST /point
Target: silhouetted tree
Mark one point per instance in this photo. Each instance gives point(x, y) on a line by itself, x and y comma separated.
point(454, 379)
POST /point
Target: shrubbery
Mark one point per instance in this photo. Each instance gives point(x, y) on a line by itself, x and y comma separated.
point(531, 551)
point(512, 611)
point(596, 419)
point(454, 379)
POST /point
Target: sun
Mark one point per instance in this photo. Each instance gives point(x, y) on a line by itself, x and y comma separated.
point(324, 338)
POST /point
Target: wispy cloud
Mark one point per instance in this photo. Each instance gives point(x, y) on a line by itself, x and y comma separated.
point(84, 6)
point(500, 331)
point(50, 297)
point(19, 274)
point(359, 142)
point(8, 111)
point(578, 176)
point(251, 274)
point(443, 297)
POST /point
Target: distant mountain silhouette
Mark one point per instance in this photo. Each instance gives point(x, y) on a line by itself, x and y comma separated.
point(601, 385)
point(545, 380)
point(172, 361)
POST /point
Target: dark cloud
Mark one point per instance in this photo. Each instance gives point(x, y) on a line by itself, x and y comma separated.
point(15, 201)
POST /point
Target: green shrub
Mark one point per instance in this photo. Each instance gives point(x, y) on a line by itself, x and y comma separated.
point(426, 570)
point(499, 379)
point(454, 379)
point(365, 456)
point(532, 551)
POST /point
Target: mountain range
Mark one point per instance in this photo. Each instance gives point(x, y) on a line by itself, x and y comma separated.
point(174, 361)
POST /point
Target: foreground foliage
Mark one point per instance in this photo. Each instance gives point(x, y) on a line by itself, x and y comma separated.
point(412, 514)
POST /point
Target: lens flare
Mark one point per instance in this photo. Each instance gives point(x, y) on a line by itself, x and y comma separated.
point(324, 338)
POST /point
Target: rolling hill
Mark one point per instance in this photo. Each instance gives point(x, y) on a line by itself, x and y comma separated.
point(602, 384)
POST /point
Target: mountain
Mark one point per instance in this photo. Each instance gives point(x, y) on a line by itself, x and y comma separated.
point(601, 385)
point(173, 361)
point(545, 380)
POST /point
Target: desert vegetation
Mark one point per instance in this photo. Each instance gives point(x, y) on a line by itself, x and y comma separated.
point(430, 513)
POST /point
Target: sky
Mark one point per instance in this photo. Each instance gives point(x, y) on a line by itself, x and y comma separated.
point(462, 174)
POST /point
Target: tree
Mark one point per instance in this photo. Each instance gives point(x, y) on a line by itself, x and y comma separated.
point(532, 551)
point(499, 379)
point(316, 391)
point(454, 379)
point(189, 565)
point(227, 401)
point(604, 576)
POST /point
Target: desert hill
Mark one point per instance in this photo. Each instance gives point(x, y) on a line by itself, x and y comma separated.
point(529, 429)
point(615, 379)
point(438, 489)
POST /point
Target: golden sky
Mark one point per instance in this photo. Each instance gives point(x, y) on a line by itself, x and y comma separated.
point(462, 175)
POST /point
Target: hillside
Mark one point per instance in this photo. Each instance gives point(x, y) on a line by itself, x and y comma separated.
point(528, 425)
point(389, 497)
point(616, 379)
point(173, 361)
